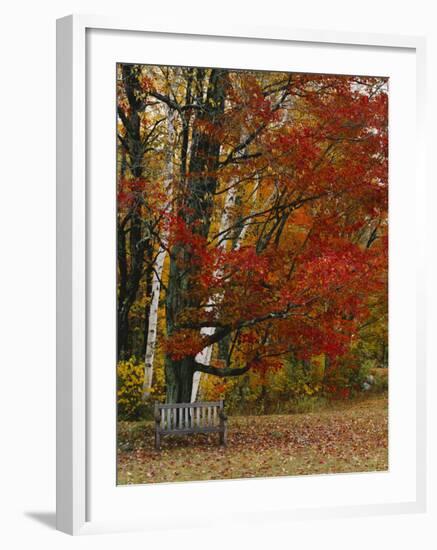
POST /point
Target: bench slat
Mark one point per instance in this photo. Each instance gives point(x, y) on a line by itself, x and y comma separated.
point(189, 418)
point(184, 431)
point(189, 405)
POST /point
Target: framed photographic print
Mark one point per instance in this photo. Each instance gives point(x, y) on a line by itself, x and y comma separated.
point(234, 305)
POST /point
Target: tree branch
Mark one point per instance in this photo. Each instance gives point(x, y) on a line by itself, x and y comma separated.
point(220, 372)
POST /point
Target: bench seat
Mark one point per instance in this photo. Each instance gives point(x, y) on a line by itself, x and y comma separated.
point(190, 418)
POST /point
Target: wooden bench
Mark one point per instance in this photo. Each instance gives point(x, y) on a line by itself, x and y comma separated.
point(190, 418)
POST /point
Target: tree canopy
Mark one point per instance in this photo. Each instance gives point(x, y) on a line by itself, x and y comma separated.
point(253, 206)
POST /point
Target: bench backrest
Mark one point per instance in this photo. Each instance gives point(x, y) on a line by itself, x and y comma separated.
point(174, 417)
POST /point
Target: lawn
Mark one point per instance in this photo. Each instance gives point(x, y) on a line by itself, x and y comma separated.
point(347, 436)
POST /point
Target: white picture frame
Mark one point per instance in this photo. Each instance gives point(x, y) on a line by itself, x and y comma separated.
point(73, 392)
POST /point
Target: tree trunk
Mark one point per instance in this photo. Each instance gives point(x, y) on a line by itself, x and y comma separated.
point(159, 264)
point(179, 379)
point(137, 248)
point(205, 355)
point(130, 278)
point(196, 210)
point(225, 223)
point(148, 285)
point(153, 323)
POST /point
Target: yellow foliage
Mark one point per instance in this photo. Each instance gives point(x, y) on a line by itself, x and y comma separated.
point(130, 380)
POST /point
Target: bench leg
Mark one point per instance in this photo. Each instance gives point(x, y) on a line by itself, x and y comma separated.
point(224, 437)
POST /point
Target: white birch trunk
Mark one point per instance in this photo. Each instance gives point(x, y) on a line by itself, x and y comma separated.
point(158, 267)
point(205, 355)
point(153, 322)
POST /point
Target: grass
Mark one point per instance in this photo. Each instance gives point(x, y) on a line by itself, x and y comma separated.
point(349, 436)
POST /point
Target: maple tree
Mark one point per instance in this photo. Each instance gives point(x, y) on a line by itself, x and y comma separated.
point(258, 214)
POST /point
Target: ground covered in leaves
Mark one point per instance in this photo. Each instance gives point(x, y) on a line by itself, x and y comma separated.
point(346, 437)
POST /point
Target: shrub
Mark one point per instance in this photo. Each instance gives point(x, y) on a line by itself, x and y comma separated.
point(130, 380)
point(380, 376)
point(295, 387)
